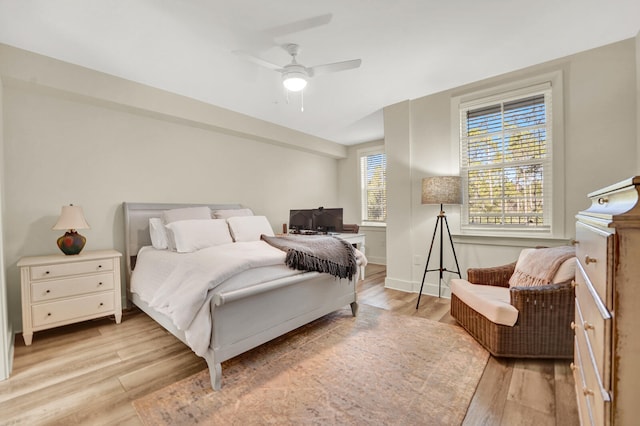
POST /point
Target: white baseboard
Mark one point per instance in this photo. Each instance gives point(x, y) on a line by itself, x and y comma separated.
point(401, 285)
point(377, 260)
point(414, 287)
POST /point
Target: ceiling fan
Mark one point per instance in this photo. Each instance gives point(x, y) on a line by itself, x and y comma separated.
point(295, 75)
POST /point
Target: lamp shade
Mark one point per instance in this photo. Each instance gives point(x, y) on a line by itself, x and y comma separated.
point(71, 217)
point(441, 190)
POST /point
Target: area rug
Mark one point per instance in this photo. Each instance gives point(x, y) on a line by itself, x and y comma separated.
point(377, 368)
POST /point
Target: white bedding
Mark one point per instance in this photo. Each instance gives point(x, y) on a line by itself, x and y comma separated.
point(159, 263)
point(181, 285)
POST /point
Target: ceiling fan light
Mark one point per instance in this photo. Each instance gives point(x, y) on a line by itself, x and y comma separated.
point(294, 81)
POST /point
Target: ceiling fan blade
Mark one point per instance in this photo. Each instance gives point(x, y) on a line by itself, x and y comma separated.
point(334, 67)
point(297, 26)
point(256, 60)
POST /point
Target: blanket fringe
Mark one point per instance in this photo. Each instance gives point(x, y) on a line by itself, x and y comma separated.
point(302, 261)
point(326, 254)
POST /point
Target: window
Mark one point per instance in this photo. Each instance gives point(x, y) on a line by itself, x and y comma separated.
point(506, 161)
point(373, 181)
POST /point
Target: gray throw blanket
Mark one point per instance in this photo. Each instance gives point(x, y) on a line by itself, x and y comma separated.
point(319, 253)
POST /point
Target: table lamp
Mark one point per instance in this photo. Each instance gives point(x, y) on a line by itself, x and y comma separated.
point(71, 218)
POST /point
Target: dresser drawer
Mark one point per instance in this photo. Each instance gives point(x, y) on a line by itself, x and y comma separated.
point(72, 309)
point(73, 268)
point(597, 398)
point(584, 407)
point(592, 251)
point(75, 286)
point(593, 318)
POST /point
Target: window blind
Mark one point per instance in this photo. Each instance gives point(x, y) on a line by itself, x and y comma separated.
point(506, 161)
point(373, 171)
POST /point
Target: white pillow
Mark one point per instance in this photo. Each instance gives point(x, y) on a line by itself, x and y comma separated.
point(186, 213)
point(227, 213)
point(249, 228)
point(566, 271)
point(193, 235)
point(158, 233)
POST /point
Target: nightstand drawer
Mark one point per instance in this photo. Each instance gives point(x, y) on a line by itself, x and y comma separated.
point(76, 286)
point(71, 309)
point(73, 268)
point(592, 253)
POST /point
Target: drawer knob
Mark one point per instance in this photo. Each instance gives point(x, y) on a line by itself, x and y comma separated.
point(573, 325)
point(588, 326)
point(588, 260)
point(574, 284)
point(49, 314)
point(603, 200)
point(99, 266)
point(46, 272)
point(101, 304)
point(587, 391)
point(100, 283)
point(573, 367)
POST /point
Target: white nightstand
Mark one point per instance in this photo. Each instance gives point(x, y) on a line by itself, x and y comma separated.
point(60, 289)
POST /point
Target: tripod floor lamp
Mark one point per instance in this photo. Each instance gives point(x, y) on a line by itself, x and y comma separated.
point(440, 190)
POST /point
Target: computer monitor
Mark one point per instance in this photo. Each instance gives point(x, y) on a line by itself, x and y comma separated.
point(327, 219)
point(301, 220)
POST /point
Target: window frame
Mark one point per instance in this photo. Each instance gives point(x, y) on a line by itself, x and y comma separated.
point(554, 177)
point(362, 153)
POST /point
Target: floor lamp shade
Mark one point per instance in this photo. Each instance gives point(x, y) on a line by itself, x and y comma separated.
point(71, 218)
point(441, 190)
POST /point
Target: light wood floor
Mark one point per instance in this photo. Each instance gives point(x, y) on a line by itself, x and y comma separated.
point(511, 392)
point(89, 373)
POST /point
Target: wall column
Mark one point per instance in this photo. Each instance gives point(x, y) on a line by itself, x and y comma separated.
point(397, 129)
point(6, 335)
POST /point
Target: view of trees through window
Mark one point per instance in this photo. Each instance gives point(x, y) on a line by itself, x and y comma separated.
point(373, 170)
point(505, 152)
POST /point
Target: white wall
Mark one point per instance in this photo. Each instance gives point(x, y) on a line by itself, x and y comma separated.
point(6, 331)
point(397, 128)
point(72, 135)
point(601, 142)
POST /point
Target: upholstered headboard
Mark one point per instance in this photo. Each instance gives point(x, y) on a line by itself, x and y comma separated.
point(136, 225)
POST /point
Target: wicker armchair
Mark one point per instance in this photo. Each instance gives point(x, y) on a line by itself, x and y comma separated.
point(544, 315)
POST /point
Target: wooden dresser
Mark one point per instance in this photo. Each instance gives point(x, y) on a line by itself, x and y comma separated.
point(59, 289)
point(607, 321)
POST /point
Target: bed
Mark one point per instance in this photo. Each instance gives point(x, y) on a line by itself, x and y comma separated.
point(242, 316)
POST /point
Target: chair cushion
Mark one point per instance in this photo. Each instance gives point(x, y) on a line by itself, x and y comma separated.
point(492, 302)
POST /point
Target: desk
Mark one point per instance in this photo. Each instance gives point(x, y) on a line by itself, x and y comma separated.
point(357, 240)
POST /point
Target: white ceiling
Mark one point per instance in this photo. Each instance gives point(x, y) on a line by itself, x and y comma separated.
point(409, 48)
